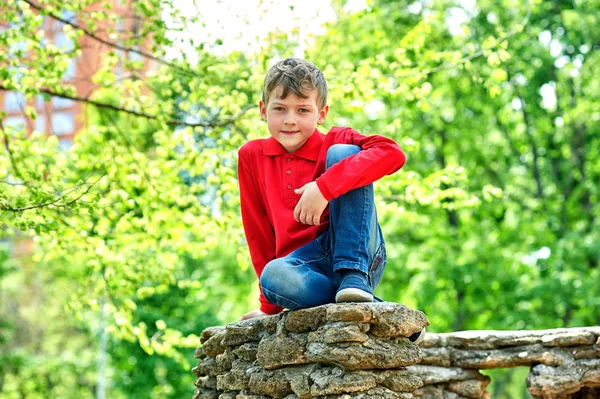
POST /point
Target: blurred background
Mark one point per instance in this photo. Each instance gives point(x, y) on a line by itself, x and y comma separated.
point(120, 121)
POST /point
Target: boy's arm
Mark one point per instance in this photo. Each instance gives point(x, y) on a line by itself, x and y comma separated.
point(257, 228)
point(380, 156)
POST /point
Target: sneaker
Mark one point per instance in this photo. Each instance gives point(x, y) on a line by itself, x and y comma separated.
point(417, 337)
point(354, 288)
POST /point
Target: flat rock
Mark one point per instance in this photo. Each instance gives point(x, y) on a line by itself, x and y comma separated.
point(278, 351)
point(270, 383)
point(493, 339)
point(508, 357)
point(392, 320)
point(570, 338)
point(332, 381)
point(340, 332)
point(372, 354)
point(469, 388)
point(305, 320)
point(356, 312)
point(432, 375)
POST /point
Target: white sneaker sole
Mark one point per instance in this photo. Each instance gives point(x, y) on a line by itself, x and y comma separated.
point(353, 295)
point(421, 337)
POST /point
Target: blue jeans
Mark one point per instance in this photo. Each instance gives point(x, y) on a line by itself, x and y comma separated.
point(309, 276)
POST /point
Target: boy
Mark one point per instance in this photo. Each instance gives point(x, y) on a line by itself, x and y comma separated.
point(307, 198)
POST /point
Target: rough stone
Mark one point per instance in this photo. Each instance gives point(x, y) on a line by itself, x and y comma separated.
point(275, 352)
point(469, 388)
point(432, 375)
point(209, 332)
point(199, 353)
point(240, 334)
point(481, 339)
point(393, 320)
point(206, 394)
point(213, 346)
point(299, 378)
point(434, 341)
point(247, 395)
point(247, 351)
point(270, 383)
point(236, 379)
point(207, 366)
point(372, 354)
point(224, 360)
point(545, 381)
point(340, 332)
point(401, 382)
point(375, 393)
point(357, 312)
point(436, 356)
point(569, 338)
point(305, 320)
point(587, 352)
point(453, 395)
point(196, 370)
point(206, 382)
point(430, 392)
point(508, 357)
point(332, 381)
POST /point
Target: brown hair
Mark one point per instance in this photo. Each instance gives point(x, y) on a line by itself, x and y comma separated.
point(297, 75)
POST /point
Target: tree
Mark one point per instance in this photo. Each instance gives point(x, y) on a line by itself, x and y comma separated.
point(492, 223)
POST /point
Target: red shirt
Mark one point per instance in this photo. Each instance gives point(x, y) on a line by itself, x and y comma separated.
point(268, 175)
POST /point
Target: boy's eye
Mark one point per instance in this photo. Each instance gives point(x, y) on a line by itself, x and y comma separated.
point(303, 110)
point(278, 108)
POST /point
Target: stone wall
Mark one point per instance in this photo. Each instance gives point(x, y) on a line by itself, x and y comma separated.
point(362, 351)
point(330, 351)
point(564, 363)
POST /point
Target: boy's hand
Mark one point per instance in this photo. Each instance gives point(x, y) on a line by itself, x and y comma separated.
point(311, 204)
point(253, 314)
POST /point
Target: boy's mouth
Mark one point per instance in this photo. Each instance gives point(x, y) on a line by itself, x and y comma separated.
point(289, 132)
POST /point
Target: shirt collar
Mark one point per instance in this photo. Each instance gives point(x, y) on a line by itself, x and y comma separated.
point(310, 149)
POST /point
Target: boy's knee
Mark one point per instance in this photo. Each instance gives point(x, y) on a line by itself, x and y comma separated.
point(279, 279)
point(276, 275)
point(337, 152)
point(270, 272)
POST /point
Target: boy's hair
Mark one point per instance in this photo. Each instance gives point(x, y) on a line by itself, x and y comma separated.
point(297, 75)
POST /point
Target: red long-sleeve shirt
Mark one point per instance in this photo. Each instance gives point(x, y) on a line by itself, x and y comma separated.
point(268, 175)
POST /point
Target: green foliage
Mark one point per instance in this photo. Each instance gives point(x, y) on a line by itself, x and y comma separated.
point(492, 223)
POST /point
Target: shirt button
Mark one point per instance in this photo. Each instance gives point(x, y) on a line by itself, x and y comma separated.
point(289, 172)
point(289, 159)
point(289, 186)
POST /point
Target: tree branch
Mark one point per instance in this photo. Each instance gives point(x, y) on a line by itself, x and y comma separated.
point(54, 202)
point(9, 151)
point(466, 58)
point(532, 144)
point(172, 122)
point(106, 42)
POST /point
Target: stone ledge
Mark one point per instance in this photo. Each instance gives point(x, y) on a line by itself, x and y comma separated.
point(331, 351)
point(564, 363)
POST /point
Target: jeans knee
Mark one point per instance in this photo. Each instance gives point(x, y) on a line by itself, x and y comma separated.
point(337, 152)
point(280, 279)
point(268, 277)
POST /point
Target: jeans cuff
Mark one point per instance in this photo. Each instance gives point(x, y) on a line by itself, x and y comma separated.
point(340, 266)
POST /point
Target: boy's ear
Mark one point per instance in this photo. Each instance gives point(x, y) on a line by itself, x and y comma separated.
point(263, 110)
point(323, 114)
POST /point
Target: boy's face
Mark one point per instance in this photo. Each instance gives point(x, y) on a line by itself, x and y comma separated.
point(292, 120)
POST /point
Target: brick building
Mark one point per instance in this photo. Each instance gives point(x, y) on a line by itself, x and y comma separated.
point(64, 117)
